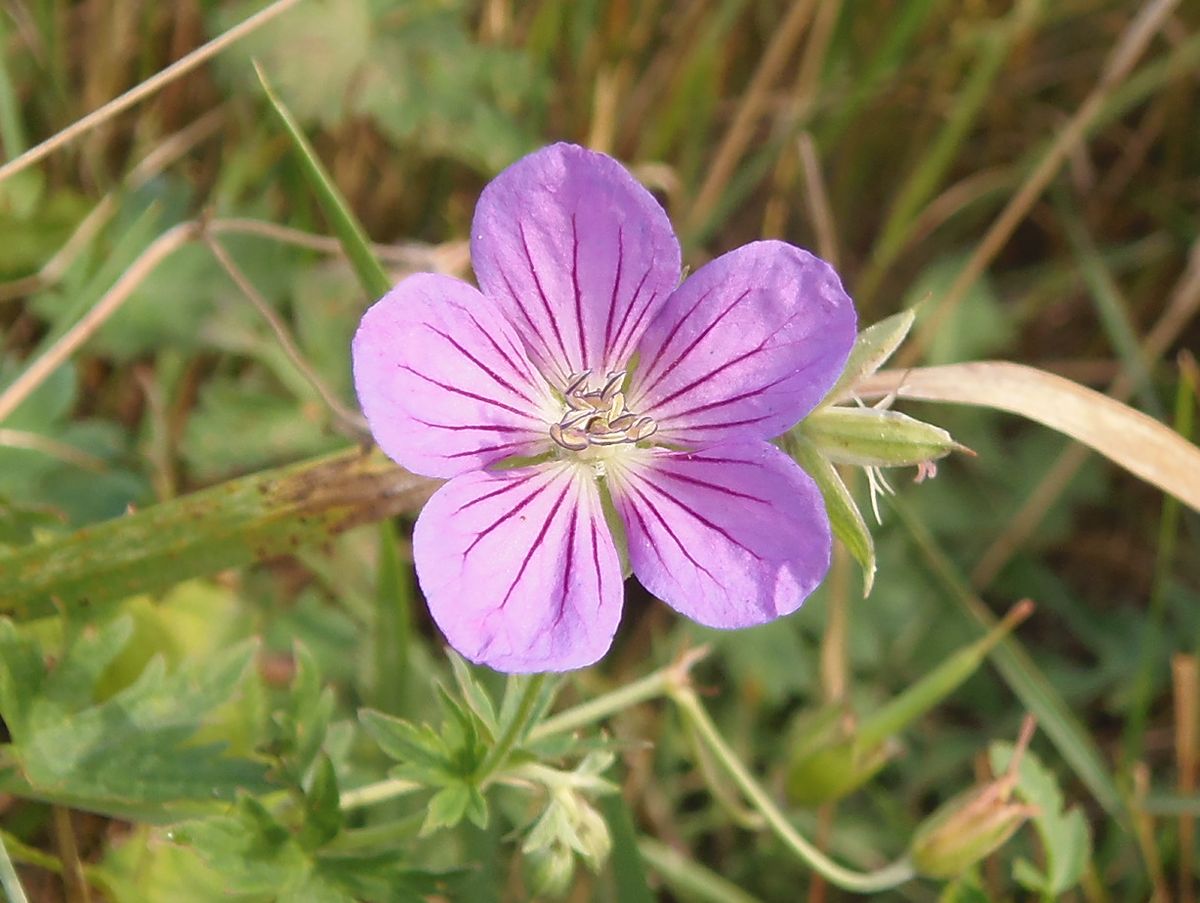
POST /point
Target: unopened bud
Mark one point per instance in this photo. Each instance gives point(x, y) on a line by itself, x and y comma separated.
point(873, 437)
point(973, 824)
point(828, 762)
point(550, 870)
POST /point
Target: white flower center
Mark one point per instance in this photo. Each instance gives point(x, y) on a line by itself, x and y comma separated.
point(597, 417)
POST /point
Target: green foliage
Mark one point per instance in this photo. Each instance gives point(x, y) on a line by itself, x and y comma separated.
point(1063, 832)
point(134, 754)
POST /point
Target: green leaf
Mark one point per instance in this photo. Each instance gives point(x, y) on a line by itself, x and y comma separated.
point(474, 694)
point(1037, 694)
point(408, 743)
point(322, 814)
point(844, 517)
point(250, 850)
point(447, 807)
point(132, 755)
point(1063, 832)
point(628, 870)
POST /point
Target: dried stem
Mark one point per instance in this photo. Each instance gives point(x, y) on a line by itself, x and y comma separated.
point(1127, 51)
point(352, 423)
point(1185, 674)
point(144, 89)
point(54, 356)
point(741, 130)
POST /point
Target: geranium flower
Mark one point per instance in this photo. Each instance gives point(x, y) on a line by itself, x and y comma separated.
point(580, 392)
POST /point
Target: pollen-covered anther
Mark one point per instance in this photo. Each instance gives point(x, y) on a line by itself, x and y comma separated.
point(598, 417)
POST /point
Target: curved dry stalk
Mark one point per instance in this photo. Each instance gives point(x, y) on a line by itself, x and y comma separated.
point(353, 423)
point(54, 356)
point(159, 158)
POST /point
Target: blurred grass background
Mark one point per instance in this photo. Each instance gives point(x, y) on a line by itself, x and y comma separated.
point(887, 136)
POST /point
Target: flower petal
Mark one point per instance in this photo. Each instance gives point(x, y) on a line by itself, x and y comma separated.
point(444, 381)
point(577, 253)
point(732, 536)
point(519, 568)
point(746, 347)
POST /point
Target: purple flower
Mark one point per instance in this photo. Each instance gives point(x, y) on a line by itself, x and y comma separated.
point(617, 399)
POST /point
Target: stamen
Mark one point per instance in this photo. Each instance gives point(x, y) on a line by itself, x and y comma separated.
point(599, 417)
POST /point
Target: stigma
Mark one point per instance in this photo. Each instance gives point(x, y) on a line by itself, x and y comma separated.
point(598, 417)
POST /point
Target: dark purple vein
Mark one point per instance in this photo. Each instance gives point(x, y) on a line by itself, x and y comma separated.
point(616, 289)
point(481, 365)
point(720, 403)
point(544, 350)
point(667, 527)
point(621, 334)
point(715, 487)
point(457, 391)
point(505, 516)
point(675, 330)
point(683, 506)
point(583, 358)
point(507, 487)
point(542, 294)
point(647, 389)
point(701, 380)
point(536, 543)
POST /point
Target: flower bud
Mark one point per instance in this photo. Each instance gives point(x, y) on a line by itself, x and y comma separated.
point(829, 762)
point(873, 437)
point(973, 824)
point(550, 870)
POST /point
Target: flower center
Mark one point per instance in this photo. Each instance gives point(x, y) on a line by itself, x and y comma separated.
point(598, 416)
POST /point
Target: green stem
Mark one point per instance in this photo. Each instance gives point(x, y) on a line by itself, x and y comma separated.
point(516, 728)
point(686, 875)
point(657, 683)
point(862, 882)
point(9, 881)
point(379, 792)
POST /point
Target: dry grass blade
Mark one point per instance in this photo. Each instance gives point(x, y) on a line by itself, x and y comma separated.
point(1185, 674)
point(36, 373)
point(741, 130)
point(1138, 443)
point(1122, 59)
point(144, 89)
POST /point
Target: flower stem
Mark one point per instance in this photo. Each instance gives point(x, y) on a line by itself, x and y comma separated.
point(862, 882)
point(657, 683)
point(520, 721)
point(378, 792)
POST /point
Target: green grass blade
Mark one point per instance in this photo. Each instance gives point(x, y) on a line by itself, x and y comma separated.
point(345, 224)
point(251, 518)
point(628, 870)
point(393, 617)
point(1020, 672)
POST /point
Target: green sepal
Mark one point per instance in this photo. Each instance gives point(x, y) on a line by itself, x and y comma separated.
point(844, 517)
point(871, 350)
point(872, 437)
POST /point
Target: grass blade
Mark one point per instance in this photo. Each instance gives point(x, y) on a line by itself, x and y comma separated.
point(345, 224)
point(1036, 693)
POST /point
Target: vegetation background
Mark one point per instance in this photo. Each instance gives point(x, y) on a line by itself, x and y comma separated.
point(1030, 170)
